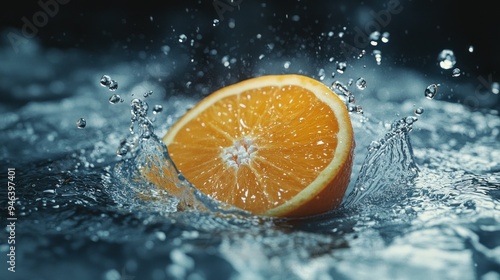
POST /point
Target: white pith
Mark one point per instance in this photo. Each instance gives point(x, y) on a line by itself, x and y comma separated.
point(240, 153)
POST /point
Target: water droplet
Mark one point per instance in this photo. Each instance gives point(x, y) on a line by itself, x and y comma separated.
point(215, 22)
point(495, 87)
point(410, 120)
point(431, 91)
point(105, 80)
point(165, 49)
point(341, 66)
point(148, 93)
point(446, 59)
point(322, 74)
point(182, 38)
point(157, 109)
point(115, 98)
point(378, 56)
point(341, 88)
point(359, 109)
point(361, 54)
point(385, 37)
point(81, 123)
point(374, 145)
point(419, 111)
point(113, 85)
point(361, 83)
point(374, 37)
point(456, 72)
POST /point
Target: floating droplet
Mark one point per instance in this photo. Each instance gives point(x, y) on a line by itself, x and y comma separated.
point(81, 123)
point(113, 85)
point(411, 119)
point(105, 80)
point(495, 87)
point(359, 109)
point(419, 111)
point(385, 37)
point(456, 72)
point(115, 98)
point(182, 38)
point(361, 83)
point(446, 59)
point(374, 145)
point(378, 56)
point(431, 91)
point(157, 109)
point(341, 66)
point(165, 49)
point(361, 54)
point(374, 37)
point(215, 22)
point(322, 74)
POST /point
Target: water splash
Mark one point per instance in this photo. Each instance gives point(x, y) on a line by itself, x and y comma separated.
point(388, 169)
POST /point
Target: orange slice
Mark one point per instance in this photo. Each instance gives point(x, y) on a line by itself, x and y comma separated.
point(277, 145)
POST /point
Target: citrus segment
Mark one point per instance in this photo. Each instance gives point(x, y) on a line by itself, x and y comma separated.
point(279, 145)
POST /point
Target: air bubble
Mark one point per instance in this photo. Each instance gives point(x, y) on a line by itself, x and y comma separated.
point(113, 85)
point(105, 80)
point(455, 72)
point(341, 66)
point(286, 65)
point(231, 24)
point(431, 91)
point(81, 123)
point(115, 98)
point(148, 93)
point(471, 48)
point(446, 59)
point(215, 22)
point(361, 83)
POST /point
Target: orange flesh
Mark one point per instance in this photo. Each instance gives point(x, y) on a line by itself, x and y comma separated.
point(263, 149)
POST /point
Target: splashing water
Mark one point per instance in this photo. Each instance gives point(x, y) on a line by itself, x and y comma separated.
point(423, 201)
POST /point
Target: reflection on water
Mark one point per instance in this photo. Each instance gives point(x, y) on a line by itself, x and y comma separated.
point(424, 199)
